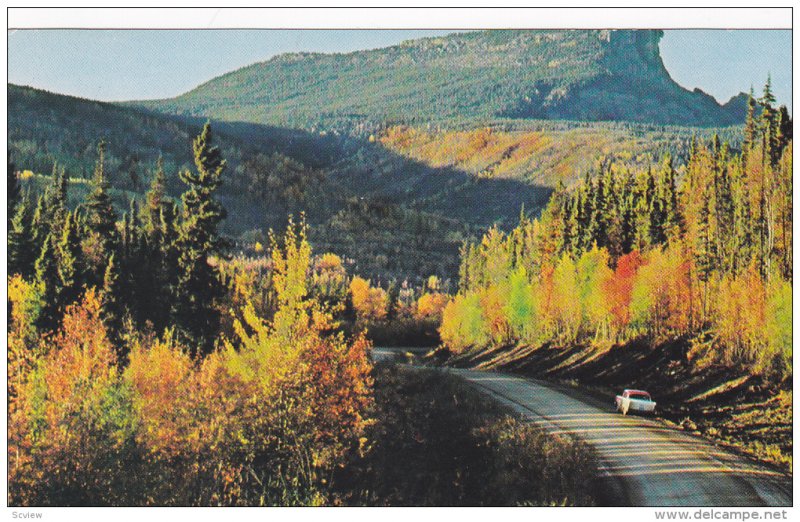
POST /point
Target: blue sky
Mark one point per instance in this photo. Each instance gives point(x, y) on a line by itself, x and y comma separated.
point(135, 64)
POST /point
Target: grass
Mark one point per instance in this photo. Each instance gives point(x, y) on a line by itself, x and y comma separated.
point(438, 442)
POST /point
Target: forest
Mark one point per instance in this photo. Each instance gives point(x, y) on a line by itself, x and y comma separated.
point(704, 253)
point(142, 354)
point(147, 347)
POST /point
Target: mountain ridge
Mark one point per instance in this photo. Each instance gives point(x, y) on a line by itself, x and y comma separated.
point(472, 77)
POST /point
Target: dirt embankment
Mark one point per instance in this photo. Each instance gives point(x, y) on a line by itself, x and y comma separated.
point(725, 404)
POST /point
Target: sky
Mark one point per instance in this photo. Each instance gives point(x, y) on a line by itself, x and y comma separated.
point(120, 65)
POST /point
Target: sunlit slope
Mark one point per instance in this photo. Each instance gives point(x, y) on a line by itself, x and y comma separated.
point(461, 78)
point(544, 157)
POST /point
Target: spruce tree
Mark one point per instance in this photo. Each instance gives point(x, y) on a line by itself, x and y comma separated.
point(769, 124)
point(110, 303)
point(69, 262)
point(21, 246)
point(704, 250)
point(48, 285)
point(743, 231)
point(784, 127)
point(40, 224)
point(628, 213)
point(724, 213)
point(198, 286)
point(13, 191)
point(749, 127)
point(673, 218)
point(155, 199)
point(137, 266)
point(100, 221)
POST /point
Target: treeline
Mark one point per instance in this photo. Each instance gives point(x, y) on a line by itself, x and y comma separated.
point(145, 368)
point(150, 268)
point(704, 250)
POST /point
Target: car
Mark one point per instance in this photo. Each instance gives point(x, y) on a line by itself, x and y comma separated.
point(634, 401)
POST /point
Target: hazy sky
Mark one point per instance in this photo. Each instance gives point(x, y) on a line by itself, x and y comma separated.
point(135, 64)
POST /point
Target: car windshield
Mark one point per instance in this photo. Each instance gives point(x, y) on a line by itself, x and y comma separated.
point(640, 396)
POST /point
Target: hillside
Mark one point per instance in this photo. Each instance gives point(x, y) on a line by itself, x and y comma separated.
point(462, 78)
point(373, 200)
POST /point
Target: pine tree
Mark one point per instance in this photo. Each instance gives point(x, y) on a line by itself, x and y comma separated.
point(48, 286)
point(598, 224)
point(724, 213)
point(393, 297)
point(627, 213)
point(749, 127)
point(743, 231)
point(656, 208)
point(21, 246)
point(784, 128)
point(101, 222)
point(704, 251)
point(111, 307)
point(137, 266)
point(69, 262)
point(770, 124)
point(13, 191)
point(155, 199)
point(199, 287)
point(40, 224)
point(673, 218)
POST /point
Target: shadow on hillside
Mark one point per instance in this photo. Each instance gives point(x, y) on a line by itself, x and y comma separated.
point(362, 169)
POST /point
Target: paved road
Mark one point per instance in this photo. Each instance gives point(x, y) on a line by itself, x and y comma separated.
point(644, 462)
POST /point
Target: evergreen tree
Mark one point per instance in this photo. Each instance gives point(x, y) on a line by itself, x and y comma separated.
point(21, 246)
point(656, 208)
point(770, 125)
point(724, 213)
point(784, 127)
point(111, 307)
point(137, 266)
point(156, 199)
point(393, 296)
point(673, 219)
point(749, 126)
point(704, 251)
point(627, 213)
point(598, 221)
point(13, 191)
point(743, 232)
point(100, 221)
point(69, 262)
point(198, 286)
point(40, 224)
point(48, 286)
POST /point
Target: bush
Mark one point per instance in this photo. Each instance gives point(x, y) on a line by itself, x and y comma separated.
point(438, 442)
point(463, 323)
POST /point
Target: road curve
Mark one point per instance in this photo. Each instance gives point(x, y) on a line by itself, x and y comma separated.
point(643, 462)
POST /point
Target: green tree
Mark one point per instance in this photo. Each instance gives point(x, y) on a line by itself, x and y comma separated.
point(102, 236)
point(705, 248)
point(21, 246)
point(110, 305)
point(198, 285)
point(749, 126)
point(48, 286)
point(69, 262)
point(13, 191)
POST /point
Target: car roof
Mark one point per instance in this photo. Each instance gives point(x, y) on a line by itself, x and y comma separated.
point(637, 391)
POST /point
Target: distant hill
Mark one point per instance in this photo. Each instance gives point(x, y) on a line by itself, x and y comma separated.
point(397, 203)
point(582, 75)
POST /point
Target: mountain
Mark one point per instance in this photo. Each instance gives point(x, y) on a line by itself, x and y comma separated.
point(466, 78)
